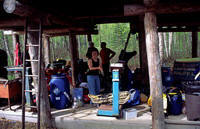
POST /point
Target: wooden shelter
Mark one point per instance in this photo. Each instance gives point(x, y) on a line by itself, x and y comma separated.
point(147, 17)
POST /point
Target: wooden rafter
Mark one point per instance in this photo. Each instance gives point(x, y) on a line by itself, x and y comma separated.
point(178, 28)
point(48, 17)
point(164, 8)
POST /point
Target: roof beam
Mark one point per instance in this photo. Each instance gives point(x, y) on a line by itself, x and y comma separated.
point(161, 8)
point(14, 21)
point(55, 30)
point(77, 33)
point(49, 18)
point(178, 29)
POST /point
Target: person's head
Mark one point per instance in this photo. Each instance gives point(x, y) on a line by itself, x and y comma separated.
point(95, 53)
point(91, 44)
point(103, 45)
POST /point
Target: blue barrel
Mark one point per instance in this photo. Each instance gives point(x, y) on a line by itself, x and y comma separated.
point(59, 91)
point(167, 76)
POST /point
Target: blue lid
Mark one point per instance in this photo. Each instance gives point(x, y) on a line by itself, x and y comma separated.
point(61, 75)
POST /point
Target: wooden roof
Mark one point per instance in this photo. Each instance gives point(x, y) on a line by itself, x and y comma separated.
point(82, 16)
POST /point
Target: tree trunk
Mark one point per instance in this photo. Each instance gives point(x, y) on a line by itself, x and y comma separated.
point(53, 50)
point(166, 44)
point(6, 44)
point(194, 44)
point(85, 41)
point(99, 28)
point(185, 44)
point(46, 49)
point(174, 44)
point(161, 47)
point(79, 46)
point(66, 39)
point(170, 42)
point(154, 70)
point(190, 43)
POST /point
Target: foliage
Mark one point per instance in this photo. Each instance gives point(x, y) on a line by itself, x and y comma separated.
point(115, 35)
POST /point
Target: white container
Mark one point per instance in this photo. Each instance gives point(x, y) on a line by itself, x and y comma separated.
point(129, 113)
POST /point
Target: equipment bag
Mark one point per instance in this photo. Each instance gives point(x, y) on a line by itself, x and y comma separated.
point(174, 97)
point(134, 98)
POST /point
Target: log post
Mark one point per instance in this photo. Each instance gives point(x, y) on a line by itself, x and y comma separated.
point(152, 46)
point(194, 44)
point(46, 50)
point(142, 45)
point(160, 8)
point(143, 53)
point(74, 57)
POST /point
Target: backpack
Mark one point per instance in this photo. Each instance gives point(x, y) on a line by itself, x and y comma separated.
point(134, 98)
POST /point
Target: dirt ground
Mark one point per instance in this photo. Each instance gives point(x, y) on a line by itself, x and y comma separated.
point(10, 124)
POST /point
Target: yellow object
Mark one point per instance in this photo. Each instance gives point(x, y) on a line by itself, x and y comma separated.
point(143, 98)
point(149, 102)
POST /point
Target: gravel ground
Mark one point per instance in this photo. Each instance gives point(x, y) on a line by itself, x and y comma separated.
point(10, 124)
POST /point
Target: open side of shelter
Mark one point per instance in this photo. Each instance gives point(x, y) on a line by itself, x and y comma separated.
point(80, 17)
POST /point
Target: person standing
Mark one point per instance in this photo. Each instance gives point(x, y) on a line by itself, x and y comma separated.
point(95, 68)
point(90, 49)
point(106, 55)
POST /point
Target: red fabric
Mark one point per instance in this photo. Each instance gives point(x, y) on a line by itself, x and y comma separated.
point(105, 54)
point(69, 78)
point(17, 55)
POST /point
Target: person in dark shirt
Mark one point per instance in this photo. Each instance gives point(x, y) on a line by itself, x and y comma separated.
point(90, 49)
point(95, 67)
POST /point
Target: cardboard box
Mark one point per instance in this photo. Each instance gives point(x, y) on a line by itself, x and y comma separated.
point(129, 113)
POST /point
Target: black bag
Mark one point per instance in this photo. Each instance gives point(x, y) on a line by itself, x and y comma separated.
point(174, 101)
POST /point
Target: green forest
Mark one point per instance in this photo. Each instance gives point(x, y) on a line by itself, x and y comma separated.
point(171, 45)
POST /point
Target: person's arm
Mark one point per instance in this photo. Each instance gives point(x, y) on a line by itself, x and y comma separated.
point(112, 54)
point(91, 66)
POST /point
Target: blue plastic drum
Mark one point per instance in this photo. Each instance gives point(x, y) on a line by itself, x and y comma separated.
point(59, 91)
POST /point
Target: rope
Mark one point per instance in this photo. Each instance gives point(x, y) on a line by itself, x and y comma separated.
point(107, 98)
